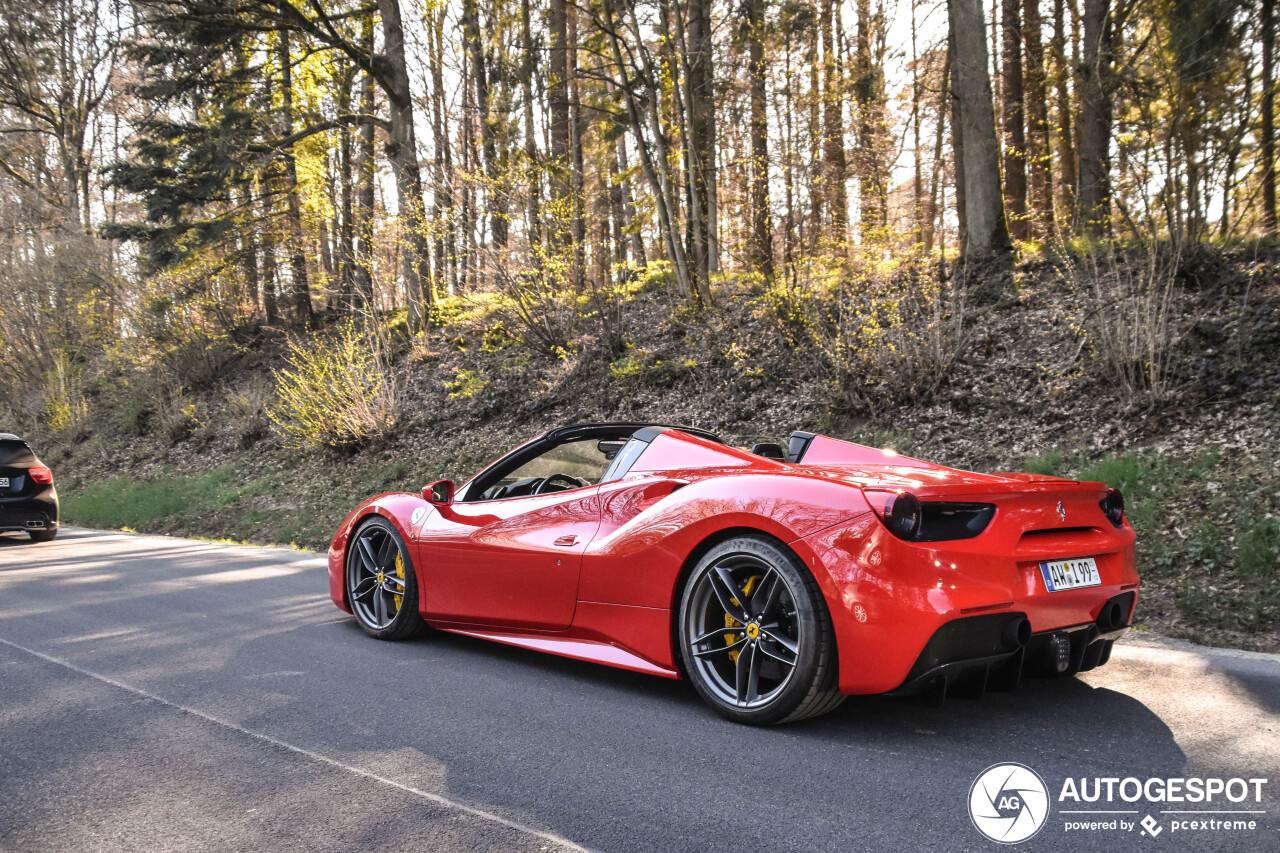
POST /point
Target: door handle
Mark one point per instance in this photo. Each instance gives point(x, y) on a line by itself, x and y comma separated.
point(566, 541)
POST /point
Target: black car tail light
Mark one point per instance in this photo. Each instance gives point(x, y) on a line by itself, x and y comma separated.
point(914, 520)
point(41, 475)
point(1113, 507)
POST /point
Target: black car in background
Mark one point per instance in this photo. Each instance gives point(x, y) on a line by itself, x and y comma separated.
point(28, 500)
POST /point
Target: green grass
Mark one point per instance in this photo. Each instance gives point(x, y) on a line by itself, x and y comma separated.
point(152, 504)
point(1206, 529)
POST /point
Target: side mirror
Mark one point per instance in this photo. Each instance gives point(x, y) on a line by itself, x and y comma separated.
point(439, 493)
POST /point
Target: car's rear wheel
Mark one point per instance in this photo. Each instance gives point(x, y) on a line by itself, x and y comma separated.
point(381, 586)
point(756, 635)
point(42, 535)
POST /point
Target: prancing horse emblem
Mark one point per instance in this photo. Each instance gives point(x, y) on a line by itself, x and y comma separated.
point(1062, 513)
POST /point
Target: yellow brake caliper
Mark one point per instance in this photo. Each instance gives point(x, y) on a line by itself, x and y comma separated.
point(730, 622)
point(399, 574)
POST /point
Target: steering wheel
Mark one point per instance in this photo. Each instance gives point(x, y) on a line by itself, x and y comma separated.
point(544, 487)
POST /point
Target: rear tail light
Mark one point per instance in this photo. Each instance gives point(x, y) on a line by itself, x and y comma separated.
point(910, 518)
point(1113, 507)
point(900, 512)
point(40, 475)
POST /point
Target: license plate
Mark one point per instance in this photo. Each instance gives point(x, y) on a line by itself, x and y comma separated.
point(4, 482)
point(1070, 574)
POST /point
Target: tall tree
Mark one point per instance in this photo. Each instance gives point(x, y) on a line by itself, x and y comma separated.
point(362, 255)
point(701, 106)
point(475, 42)
point(403, 151)
point(834, 168)
point(1064, 135)
point(1015, 142)
point(1093, 197)
point(299, 284)
point(986, 233)
point(1268, 107)
point(1039, 149)
point(560, 153)
point(761, 240)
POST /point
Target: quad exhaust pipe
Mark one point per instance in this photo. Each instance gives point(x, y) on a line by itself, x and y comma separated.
point(36, 525)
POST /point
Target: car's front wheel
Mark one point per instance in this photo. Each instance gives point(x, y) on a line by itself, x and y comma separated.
point(756, 635)
point(381, 586)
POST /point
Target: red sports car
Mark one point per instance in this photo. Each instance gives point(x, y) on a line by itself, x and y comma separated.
point(777, 581)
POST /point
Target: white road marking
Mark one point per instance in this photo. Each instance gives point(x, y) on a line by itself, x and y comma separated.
point(314, 756)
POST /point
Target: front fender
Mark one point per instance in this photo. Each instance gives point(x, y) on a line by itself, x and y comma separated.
point(397, 508)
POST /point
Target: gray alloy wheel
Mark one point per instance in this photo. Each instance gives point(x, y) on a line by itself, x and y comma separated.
point(381, 586)
point(755, 634)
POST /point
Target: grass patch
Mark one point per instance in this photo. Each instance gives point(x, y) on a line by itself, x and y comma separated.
point(152, 504)
point(1206, 529)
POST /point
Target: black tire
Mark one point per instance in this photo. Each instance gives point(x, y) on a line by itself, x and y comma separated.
point(378, 577)
point(42, 535)
point(747, 678)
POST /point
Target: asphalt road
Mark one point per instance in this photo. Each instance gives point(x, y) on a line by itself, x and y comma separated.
point(166, 694)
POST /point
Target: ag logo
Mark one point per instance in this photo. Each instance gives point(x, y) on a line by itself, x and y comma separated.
point(1008, 803)
point(418, 514)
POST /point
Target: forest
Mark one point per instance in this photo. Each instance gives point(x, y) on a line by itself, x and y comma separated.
point(297, 237)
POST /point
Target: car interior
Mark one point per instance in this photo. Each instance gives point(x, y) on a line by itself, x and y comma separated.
point(586, 456)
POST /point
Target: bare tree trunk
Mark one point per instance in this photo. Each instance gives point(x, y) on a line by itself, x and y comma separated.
point(269, 305)
point(1067, 178)
point(957, 142)
point(1268, 142)
point(346, 225)
point(300, 287)
point(817, 193)
point(577, 182)
point(702, 138)
point(362, 253)
point(561, 135)
point(939, 170)
point(403, 153)
point(1093, 199)
point(1015, 140)
point(249, 250)
point(834, 168)
point(480, 76)
point(761, 239)
point(917, 186)
point(533, 210)
point(442, 198)
point(1039, 151)
point(868, 95)
point(986, 233)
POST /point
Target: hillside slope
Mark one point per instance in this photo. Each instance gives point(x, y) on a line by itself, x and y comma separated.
point(1023, 391)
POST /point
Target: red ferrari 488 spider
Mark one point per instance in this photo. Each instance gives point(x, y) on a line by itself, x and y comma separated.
point(777, 581)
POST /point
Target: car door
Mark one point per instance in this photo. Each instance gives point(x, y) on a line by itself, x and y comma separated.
point(510, 562)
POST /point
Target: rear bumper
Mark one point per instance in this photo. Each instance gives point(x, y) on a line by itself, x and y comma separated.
point(37, 512)
point(888, 598)
point(973, 654)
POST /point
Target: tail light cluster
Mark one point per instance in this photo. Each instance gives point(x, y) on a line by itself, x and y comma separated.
point(1113, 507)
point(914, 520)
point(40, 475)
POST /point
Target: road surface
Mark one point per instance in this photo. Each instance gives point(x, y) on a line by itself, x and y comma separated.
point(167, 694)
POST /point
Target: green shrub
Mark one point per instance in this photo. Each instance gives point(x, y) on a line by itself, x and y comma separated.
point(337, 392)
point(465, 383)
point(1260, 547)
point(246, 413)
